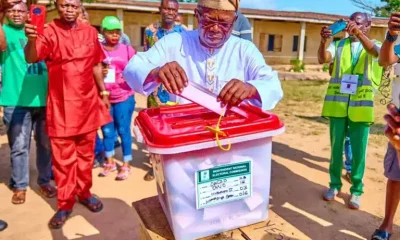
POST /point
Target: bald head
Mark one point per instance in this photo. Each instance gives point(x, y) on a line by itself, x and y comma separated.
point(363, 21)
point(361, 17)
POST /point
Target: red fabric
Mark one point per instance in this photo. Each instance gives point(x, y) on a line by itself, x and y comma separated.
point(72, 166)
point(73, 104)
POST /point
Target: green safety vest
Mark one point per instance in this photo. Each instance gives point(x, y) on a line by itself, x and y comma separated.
point(358, 107)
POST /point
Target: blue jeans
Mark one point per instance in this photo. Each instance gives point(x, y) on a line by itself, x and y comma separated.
point(348, 153)
point(99, 147)
point(20, 121)
point(122, 115)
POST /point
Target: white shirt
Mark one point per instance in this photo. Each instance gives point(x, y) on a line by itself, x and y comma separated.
point(356, 48)
point(237, 59)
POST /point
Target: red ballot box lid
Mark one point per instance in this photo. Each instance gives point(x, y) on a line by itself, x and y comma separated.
point(180, 125)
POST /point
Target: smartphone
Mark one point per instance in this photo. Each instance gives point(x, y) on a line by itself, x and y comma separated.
point(38, 17)
point(338, 26)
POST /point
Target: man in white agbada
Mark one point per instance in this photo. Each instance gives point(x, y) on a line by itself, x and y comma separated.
point(228, 66)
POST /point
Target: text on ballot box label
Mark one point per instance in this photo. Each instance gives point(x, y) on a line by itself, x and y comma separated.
point(223, 184)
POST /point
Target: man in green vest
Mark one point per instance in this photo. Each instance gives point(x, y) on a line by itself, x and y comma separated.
point(349, 99)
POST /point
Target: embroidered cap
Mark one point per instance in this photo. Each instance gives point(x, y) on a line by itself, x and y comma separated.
point(226, 5)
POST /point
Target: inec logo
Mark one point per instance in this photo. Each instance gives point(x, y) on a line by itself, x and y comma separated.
point(205, 175)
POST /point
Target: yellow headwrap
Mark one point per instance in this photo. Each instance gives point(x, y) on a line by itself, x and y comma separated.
point(226, 5)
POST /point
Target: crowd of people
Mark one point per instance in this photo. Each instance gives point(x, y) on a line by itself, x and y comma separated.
point(71, 82)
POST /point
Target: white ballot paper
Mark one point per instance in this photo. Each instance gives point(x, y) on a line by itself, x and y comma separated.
point(349, 84)
point(110, 77)
point(202, 96)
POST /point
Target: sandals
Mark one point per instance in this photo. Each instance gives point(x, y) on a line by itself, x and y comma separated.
point(48, 191)
point(93, 204)
point(61, 216)
point(123, 174)
point(19, 197)
point(381, 235)
point(108, 168)
point(59, 219)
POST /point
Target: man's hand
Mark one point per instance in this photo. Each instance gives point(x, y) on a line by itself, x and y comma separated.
point(30, 31)
point(105, 70)
point(352, 28)
point(394, 24)
point(173, 77)
point(106, 101)
point(5, 4)
point(325, 33)
point(235, 91)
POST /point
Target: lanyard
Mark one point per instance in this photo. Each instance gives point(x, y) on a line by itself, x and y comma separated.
point(355, 57)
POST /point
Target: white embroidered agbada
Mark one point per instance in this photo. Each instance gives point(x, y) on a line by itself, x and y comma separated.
point(236, 59)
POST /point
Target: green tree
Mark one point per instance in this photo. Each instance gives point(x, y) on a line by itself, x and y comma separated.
point(384, 10)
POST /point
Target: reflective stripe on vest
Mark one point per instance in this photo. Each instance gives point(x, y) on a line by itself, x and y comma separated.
point(362, 103)
point(359, 106)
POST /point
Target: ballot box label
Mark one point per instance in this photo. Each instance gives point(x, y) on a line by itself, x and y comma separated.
point(222, 184)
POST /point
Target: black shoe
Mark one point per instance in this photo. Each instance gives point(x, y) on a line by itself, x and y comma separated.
point(3, 225)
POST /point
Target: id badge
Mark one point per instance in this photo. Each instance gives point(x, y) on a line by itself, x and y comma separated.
point(349, 84)
point(110, 77)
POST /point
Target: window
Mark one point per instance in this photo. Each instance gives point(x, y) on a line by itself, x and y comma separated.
point(274, 43)
point(271, 43)
point(295, 46)
point(142, 29)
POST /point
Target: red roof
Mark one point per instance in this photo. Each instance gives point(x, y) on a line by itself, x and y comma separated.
point(247, 11)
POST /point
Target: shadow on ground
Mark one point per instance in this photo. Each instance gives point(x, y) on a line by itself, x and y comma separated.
point(376, 129)
point(305, 195)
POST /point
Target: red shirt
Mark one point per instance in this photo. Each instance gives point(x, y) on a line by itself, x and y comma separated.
point(73, 103)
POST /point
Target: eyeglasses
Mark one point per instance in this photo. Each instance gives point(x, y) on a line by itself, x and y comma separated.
point(208, 22)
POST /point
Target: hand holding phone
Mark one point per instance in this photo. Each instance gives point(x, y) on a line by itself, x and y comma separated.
point(38, 17)
point(338, 26)
point(394, 22)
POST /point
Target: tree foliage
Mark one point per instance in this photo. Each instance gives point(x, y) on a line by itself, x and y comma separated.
point(384, 10)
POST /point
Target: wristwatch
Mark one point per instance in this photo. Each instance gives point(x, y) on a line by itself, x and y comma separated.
point(390, 37)
point(104, 93)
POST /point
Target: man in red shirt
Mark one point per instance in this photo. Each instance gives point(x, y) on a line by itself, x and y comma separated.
point(76, 108)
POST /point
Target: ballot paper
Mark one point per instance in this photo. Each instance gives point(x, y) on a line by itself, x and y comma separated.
point(254, 201)
point(200, 95)
point(110, 77)
point(186, 214)
point(179, 181)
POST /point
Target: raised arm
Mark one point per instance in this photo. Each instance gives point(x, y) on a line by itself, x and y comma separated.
point(368, 44)
point(387, 55)
point(31, 53)
point(324, 56)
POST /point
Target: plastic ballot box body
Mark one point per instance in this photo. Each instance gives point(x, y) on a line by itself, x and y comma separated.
point(203, 189)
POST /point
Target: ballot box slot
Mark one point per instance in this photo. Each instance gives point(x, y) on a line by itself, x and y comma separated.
point(184, 123)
